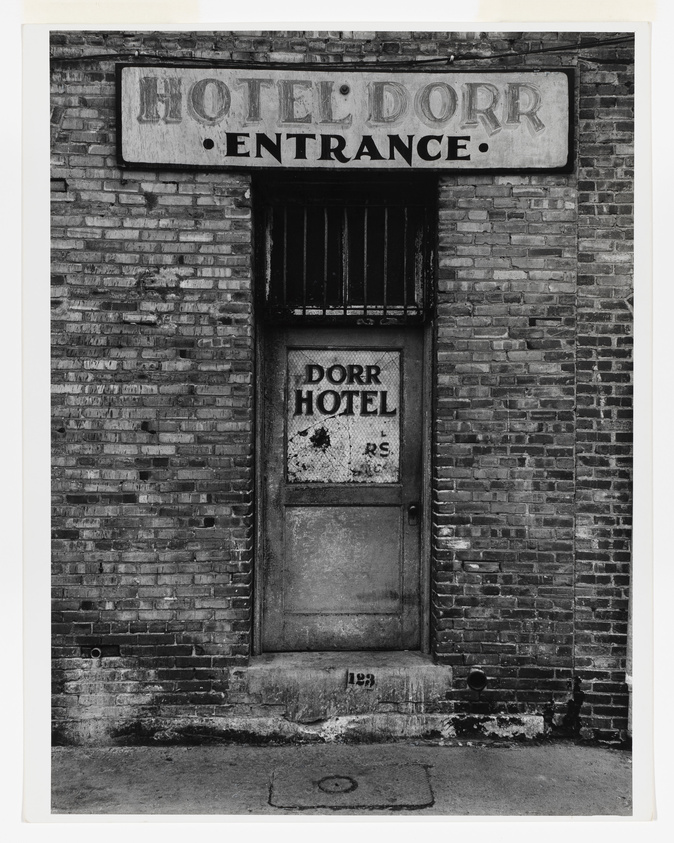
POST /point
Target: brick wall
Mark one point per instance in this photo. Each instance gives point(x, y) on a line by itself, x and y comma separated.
point(153, 424)
point(505, 432)
point(604, 386)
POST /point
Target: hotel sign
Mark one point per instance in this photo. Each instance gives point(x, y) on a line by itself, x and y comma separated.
point(343, 119)
point(343, 416)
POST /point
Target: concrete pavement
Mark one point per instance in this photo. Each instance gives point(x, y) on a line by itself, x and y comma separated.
point(556, 779)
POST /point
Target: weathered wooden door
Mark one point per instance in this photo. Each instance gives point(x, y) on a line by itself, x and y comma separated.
point(341, 468)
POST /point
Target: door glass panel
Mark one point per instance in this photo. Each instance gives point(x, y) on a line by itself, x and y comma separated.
point(343, 416)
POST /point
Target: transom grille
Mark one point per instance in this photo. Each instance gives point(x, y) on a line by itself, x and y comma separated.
point(335, 252)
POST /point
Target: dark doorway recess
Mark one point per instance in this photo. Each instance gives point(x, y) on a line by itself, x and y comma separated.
point(345, 250)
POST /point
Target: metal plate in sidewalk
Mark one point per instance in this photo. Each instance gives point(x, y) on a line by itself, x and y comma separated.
point(343, 786)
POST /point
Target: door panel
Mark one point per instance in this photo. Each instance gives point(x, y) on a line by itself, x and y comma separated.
point(341, 464)
point(340, 560)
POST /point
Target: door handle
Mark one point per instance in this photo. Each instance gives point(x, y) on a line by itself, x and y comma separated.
point(413, 513)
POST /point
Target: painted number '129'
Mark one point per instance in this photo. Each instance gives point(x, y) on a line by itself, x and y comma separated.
point(365, 680)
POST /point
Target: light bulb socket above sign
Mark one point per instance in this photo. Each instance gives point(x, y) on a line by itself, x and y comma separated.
point(275, 118)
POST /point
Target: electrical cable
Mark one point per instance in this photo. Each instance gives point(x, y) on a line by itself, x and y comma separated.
point(451, 59)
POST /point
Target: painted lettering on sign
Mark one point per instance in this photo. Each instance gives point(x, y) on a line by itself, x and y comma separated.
point(345, 118)
point(349, 402)
point(435, 104)
point(342, 416)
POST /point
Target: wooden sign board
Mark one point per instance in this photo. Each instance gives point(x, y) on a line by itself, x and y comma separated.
point(343, 119)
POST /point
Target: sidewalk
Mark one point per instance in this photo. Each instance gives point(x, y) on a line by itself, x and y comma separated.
point(560, 779)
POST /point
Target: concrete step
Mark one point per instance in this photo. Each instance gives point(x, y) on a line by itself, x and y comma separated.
point(311, 687)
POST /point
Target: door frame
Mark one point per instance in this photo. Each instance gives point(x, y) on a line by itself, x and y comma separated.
point(426, 491)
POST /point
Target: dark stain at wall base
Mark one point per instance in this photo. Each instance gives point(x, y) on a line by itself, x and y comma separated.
point(572, 722)
point(144, 734)
point(568, 725)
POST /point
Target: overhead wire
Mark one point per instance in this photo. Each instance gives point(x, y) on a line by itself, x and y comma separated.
point(451, 58)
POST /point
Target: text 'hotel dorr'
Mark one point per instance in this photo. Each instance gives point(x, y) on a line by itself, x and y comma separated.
point(342, 119)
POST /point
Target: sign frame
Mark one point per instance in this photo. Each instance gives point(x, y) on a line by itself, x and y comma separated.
point(185, 64)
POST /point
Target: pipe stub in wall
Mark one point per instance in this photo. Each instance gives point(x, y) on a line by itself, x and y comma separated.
point(477, 680)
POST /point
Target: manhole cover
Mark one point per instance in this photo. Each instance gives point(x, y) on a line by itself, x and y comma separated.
point(337, 784)
point(401, 787)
